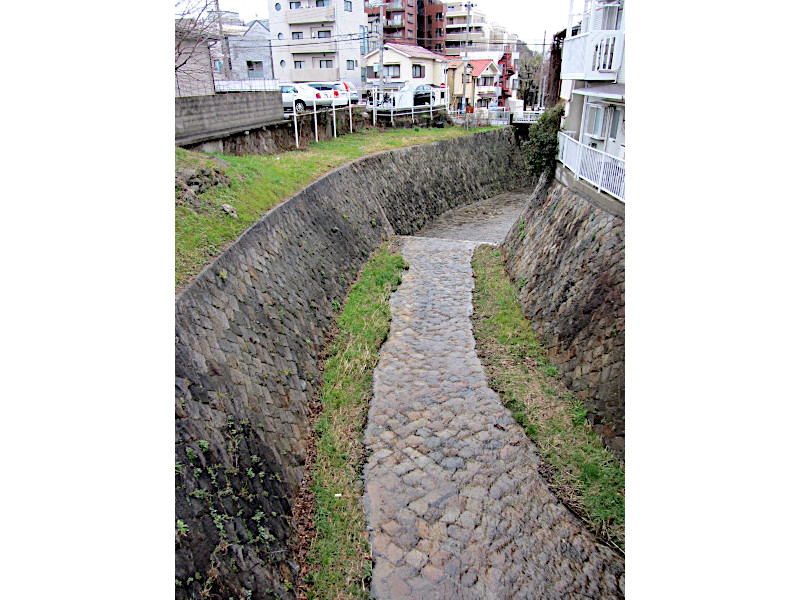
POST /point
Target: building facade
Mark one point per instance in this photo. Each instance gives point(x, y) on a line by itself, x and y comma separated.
point(592, 143)
point(317, 40)
point(251, 53)
point(406, 64)
point(413, 22)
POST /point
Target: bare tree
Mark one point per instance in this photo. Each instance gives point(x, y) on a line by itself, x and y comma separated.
point(197, 27)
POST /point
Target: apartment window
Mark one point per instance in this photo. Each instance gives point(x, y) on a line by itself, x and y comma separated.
point(438, 47)
point(283, 64)
point(392, 71)
point(277, 7)
point(255, 69)
point(615, 119)
point(323, 3)
point(280, 36)
point(351, 65)
point(348, 6)
point(324, 34)
point(439, 32)
point(418, 71)
point(297, 35)
point(298, 64)
point(293, 5)
point(451, 8)
point(595, 121)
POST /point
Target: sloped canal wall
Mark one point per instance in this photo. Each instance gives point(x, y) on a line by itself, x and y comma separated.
point(249, 331)
point(566, 253)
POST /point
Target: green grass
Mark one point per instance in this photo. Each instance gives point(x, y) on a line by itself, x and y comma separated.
point(260, 182)
point(340, 555)
point(582, 472)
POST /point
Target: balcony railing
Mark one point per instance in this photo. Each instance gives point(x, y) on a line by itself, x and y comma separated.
point(602, 170)
point(393, 23)
point(310, 15)
point(311, 46)
point(311, 74)
point(596, 55)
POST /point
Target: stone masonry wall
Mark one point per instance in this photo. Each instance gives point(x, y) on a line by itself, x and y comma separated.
point(199, 118)
point(567, 256)
point(249, 331)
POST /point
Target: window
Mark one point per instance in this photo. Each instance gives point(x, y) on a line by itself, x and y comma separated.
point(323, 3)
point(439, 32)
point(280, 36)
point(326, 64)
point(348, 6)
point(297, 35)
point(438, 47)
point(392, 71)
point(418, 71)
point(615, 119)
point(255, 69)
point(277, 7)
point(298, 64)
point(218, 64)
point(324, 34)
point(595, 125)
point(283, 64)
point(293, 5)
point(351, 65)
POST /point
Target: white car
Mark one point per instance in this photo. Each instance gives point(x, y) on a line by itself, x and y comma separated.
point(355, 95)
point(339, 90)
point(302, 96)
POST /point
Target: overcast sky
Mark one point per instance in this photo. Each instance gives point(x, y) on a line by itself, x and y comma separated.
point(529, 19)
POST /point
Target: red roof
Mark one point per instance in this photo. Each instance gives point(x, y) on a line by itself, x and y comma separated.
point(479, 66)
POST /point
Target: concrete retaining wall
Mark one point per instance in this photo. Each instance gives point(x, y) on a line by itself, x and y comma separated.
point(567, 255)
point(249, 331)
point(200, 118)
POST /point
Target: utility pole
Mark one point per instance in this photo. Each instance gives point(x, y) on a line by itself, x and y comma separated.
point(225, 51)
point(541, 71)
point(469, 6)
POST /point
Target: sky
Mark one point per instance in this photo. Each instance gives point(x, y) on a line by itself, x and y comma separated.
point(529, 19)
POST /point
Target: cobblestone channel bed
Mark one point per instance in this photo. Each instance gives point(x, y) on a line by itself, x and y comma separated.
point(454, 501)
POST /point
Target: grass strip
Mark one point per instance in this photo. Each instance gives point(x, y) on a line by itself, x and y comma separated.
point(339, 557)
point(261, 182)
point(582, 473)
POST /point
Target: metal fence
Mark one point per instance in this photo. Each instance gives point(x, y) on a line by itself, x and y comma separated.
point(601, 169)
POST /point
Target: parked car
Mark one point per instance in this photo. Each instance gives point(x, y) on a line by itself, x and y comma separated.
point(340, 93)
point(422, 93)
point(355, 95)
point(302, 96)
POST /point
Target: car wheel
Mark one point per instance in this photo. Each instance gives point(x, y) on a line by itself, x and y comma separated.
point(299, 106)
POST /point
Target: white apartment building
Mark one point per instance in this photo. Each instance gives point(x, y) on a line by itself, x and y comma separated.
point(592, 144)
point(465, 28)
point(317, 40)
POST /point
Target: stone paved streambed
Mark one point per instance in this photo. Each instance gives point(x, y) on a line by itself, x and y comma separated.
point(454, 501)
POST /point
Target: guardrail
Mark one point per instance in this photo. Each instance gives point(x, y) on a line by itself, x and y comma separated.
point(397, 103)
point(246, 85)
point(601, 169)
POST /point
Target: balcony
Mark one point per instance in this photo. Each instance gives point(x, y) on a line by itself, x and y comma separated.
point(297, 16)
point(392, 23)
point(312, 46)
point(310, 74)
point(464, 36)
point(593, 56)
point(485, 91)
point(602, 170)
point(395, 6)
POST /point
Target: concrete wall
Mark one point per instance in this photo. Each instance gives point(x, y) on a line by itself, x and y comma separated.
point(249, 331)
point(567, 255)
point(201, 118)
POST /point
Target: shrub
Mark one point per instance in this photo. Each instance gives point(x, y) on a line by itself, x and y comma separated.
point(541, 149)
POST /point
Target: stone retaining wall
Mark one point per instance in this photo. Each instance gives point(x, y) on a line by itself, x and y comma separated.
point(249, 331)
point(199, 118)
point(567, 256)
